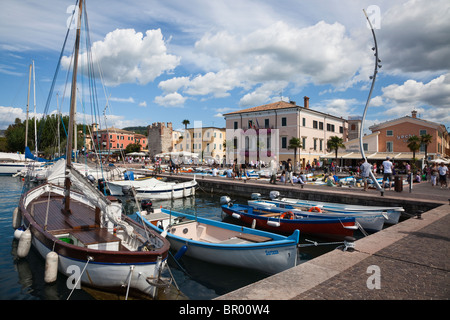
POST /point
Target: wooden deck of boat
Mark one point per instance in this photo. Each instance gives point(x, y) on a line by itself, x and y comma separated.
point(81, 216)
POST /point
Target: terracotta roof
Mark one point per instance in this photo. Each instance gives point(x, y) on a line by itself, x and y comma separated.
point(270, 106)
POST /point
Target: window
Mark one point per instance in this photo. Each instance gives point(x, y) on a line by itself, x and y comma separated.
point(330, 127)
point(389, 133)
point(422, 132)
point(304, 122)
point(320, 125)
point(283, 122)
point(321, 145)
point(250, 124)
point(235, 125)
point(284, 142)
point(389, 146)
point(304, 143)
point(266, 123)
point(341, 129)
point(365, 146)
point(314, 124)
point(315, 144)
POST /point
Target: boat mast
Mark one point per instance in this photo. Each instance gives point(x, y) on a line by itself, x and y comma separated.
point(72, 112)
point(28, 107)
point(35, 114)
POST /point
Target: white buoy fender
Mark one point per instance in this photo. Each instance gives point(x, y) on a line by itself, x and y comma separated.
point(24, 244)
point(273, 223)
point(236, 216)
point(51, 267)
point(17, 218)
point(18, 232)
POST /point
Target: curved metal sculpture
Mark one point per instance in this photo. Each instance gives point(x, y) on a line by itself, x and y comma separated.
point(377, 61)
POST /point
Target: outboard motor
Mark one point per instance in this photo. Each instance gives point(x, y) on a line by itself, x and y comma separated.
point(147, 205)
point(274, 195)
point(101, 185)
point(91, 178)
point(256, 196)
point(225, 200)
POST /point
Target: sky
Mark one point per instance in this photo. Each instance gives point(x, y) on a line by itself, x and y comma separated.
point(167, 61)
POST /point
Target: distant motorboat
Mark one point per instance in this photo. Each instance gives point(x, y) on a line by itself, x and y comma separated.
point(153, 189)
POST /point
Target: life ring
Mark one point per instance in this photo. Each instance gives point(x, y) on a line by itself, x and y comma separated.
point(315, 209)
point(287, 215)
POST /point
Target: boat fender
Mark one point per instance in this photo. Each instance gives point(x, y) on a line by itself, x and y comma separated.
point(225, 200)
point(236, 215)
point(51, 267)
point(315, 209)
point(287, 215)
point(253, 223)
point(181, 252)
point(271, 223)
point(18, 232)
point(24, 244)
point(17, 218)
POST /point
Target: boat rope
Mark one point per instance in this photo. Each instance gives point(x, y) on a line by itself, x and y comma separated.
point(129, 281)
point(315, 243)
point(79, 278)
point(364, 232)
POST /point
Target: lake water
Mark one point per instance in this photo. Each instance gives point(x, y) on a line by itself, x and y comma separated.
point(23, 279)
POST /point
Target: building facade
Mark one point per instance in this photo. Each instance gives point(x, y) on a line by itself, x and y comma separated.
point(312, 128)
point(394, 136)
point(115, 140)
point(160, 138)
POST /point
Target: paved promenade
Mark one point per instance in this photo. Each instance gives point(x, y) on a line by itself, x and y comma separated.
point(408, 261)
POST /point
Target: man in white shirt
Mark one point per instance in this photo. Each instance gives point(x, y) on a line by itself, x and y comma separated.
point(273, 170)
point(443, 170)
point(365, 168)
point(387, 167)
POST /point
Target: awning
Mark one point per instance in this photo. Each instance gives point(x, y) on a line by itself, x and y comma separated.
point(373, 155)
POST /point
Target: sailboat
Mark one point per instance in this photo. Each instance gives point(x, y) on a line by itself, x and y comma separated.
point(81, 232)
point(13, 164)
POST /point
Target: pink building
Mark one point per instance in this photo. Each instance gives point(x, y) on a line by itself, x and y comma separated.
point(313, 128)
point(113, 139)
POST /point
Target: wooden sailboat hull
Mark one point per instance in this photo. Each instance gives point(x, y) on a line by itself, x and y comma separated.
point(81, 243)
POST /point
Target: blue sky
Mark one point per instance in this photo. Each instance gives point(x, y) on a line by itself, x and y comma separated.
point(166, 61)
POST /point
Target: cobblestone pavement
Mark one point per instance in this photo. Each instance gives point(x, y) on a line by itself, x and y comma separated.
point(413, 268)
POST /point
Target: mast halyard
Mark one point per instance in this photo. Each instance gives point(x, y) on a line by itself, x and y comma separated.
point(73, 99)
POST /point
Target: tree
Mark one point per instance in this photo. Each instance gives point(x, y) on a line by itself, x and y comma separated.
point(334, 143)
point(185, 122)
point(426, 139)
point(414, 146)
point(133, 147)
point(295, 144)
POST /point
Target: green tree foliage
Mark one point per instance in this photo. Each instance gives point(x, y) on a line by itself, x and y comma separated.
point(334, 143)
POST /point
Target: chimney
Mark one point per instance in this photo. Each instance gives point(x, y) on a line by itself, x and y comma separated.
point(414, 114)
point(306, 102)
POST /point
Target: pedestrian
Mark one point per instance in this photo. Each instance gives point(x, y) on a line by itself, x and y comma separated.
point(387, 173)
point(273, 170)
point(289, 172)
point(434, 174)
point(366, 167)
point(443, 171)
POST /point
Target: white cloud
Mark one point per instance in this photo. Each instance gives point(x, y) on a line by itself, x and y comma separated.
point(171, 100)
point(127, 56)
point(9, 114)
point(129, 99)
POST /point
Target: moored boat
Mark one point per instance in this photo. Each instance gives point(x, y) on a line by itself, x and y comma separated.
point(393, 213)
point(223, 243)
point(154, 189)
point(371, 221)
point(286, 222)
